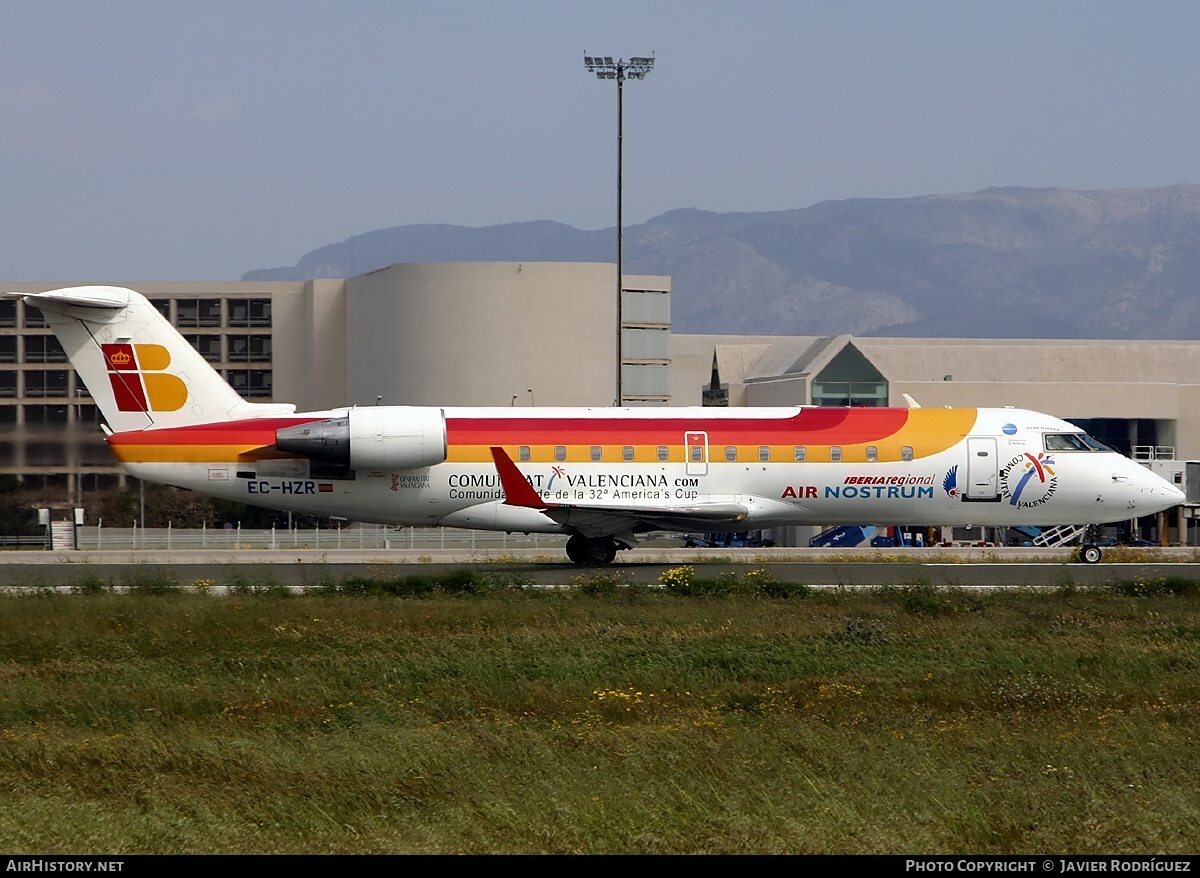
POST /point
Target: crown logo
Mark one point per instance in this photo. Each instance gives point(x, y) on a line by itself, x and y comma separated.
point(120, 358)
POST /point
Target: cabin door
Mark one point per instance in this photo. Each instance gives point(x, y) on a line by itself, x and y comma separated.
point(695, 449)
point(983, 468)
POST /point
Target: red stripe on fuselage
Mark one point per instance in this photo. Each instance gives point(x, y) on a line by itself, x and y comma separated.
point(253, 432)
point(817, 426)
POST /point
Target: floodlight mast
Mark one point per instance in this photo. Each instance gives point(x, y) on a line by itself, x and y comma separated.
point(606, 68)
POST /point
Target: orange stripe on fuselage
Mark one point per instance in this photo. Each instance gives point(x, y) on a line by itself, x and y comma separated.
point(223, 442)
point(925, 431)
point(810, 426)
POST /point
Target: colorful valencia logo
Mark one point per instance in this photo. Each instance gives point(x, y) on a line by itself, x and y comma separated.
point(1028, 480)
point(139, 382)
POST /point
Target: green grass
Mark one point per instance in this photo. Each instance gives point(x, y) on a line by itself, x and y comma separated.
point(460, 717)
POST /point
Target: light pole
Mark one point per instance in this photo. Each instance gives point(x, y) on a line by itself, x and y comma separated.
point(606, 68)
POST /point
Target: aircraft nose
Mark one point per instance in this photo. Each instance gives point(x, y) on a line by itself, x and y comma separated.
point(1152, 493)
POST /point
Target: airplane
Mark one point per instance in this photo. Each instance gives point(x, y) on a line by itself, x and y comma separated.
point(601, 476)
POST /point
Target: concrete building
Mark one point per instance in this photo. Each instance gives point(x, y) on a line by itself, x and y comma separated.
point(542, 334)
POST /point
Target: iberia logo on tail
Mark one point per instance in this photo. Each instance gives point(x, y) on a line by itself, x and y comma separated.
point(139, 382)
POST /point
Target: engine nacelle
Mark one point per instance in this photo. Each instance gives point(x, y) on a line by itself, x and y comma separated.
point(372, 438)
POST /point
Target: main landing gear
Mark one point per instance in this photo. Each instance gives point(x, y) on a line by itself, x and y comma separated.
point(591, 551)
point(1089, 552)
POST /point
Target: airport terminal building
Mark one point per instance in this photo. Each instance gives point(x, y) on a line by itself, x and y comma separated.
point(544, 334)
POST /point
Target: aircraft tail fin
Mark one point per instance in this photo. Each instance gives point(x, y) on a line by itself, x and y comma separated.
point(142, 373)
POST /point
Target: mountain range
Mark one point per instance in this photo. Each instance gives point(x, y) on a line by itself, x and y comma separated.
point(1000, 263)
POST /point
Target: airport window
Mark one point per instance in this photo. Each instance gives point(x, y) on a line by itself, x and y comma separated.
point(697, 453)
point(46, 483)
point(209, 346)
point(198, 312)
point(800, 453)
point(626, 452)
point(731, 452)
point(764, 453)
point(33, 318)
point(249, 312)
point(850, 379)
point(597, 452)
point(872, 453)
point(95, 454)
point(560, 452)
point(162, 306)
point(835, 453)
point(8, 348)
point(45, 383)
point(8, 414)
point(663, 453)
point(87, 414)
point(45, 454)
point(44, 349)
point(250, 382)
point(8, 312)
point(523, 453)
point(906, 453)
point(45, 414)
point(98, 482)
point(8, 383)
point(249, 348)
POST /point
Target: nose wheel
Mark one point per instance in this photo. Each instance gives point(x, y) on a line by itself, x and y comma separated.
point(1089, 552)
point(591, 551)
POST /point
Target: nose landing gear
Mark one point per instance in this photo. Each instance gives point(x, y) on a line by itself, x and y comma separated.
point(1089, 552)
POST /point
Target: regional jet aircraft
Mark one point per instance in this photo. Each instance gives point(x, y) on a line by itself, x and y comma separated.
point(602, 476)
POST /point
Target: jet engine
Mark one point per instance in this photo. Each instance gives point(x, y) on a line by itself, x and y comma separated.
point(371, 438)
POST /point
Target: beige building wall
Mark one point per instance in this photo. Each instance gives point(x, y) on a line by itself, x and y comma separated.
point(482, 333)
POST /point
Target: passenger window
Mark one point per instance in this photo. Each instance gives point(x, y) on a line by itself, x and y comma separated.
point(764, 453)
point(835, 453)
point(906, 453)
point(800, 453)
point(627, 452)
point(872, 453)
point(596, 452)
point(523, 452)
point(731, 452)
point(698, 453)
point(663, 454)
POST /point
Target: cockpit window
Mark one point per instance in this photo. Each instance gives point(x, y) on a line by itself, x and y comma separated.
point(1072, 442)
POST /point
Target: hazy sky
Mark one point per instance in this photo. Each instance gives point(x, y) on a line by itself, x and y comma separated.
point(197, 139)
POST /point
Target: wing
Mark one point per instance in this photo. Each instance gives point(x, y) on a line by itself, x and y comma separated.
point(606, 519)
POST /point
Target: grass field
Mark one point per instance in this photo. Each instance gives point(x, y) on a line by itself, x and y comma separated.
point(469, 717)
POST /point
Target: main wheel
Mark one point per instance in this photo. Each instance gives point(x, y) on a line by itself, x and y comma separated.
point(1090, 554)
point(591, 552)
point(577, 549)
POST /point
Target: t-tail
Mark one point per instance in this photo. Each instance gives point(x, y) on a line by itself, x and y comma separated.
point(142, 373)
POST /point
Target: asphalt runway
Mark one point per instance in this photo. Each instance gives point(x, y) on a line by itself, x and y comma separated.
point(962, 568)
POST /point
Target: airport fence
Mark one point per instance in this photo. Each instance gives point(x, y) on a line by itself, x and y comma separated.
point(102, 537)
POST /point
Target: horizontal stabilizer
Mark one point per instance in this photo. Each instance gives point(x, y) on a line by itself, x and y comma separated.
point(82, 297)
